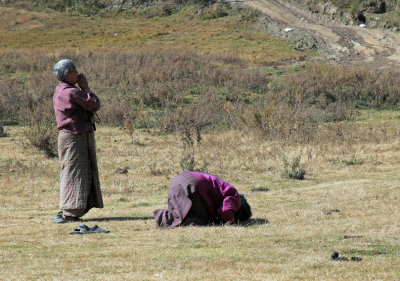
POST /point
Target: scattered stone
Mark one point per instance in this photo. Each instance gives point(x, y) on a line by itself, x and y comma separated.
point(260, 189)
point(329, 212)
point(335, 257)
point(121, 171)
point(352, 236)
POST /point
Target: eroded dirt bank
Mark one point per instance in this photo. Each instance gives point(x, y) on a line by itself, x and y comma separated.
point(341, 42)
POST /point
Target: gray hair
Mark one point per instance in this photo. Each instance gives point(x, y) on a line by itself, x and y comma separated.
point(63, 67)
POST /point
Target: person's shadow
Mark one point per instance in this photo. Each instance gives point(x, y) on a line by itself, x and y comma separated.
point(247, 223)
point(120, 219)
point(252, 222)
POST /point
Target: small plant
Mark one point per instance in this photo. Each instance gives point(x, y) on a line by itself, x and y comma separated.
point(348, 162)
point(353, 161)
point(293, 170)
point(2, 132)
point(188, 162)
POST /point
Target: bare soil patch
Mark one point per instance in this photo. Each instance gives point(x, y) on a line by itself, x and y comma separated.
point(336, 41)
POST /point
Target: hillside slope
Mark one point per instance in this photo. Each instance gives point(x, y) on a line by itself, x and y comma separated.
point(332, 39)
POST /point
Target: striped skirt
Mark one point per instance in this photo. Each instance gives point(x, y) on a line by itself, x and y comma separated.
point(185, 205)
point(79, 177)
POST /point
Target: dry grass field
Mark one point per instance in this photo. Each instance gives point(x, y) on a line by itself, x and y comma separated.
point(349, 202)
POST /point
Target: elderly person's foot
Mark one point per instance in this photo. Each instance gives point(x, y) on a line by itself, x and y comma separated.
point(60, 218)
point(68, 218)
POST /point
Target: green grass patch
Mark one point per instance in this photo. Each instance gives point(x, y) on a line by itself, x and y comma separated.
point(227, 35)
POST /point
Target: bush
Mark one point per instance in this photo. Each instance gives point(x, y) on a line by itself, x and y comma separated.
point(322, 85)
point(12, 100)
point(3, 133)
point(293, 170)
point(39, 115)
point(42, 131)
point(282, 121)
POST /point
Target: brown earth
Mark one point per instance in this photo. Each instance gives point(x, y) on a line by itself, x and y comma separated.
point(339, 41)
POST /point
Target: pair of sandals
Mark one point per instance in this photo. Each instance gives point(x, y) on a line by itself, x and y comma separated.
point(81, 229)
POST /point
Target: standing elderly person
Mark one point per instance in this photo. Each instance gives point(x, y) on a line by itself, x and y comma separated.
point(196, 198)
point(74, 109)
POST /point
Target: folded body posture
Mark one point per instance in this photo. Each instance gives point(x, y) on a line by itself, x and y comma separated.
point(200, 199)
point(74, 109)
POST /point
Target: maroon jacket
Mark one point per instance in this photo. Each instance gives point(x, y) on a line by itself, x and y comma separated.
point(74, 108)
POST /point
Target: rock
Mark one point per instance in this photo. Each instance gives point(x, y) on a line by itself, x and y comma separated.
point(352, 236)
point(335, 257)
point(329, 212)
point(260, 189)
point(121, 171)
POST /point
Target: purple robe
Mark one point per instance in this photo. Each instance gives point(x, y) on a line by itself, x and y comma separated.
point(221, 199)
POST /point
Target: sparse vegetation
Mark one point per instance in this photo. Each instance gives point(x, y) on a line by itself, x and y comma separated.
point(189, 89)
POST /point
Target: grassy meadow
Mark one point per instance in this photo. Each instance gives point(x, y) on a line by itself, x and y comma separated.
point(187, 92)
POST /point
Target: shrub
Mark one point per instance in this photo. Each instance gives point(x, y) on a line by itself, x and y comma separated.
point(39, 114)
point(282, 121)
point(322, 85)
point(293, 170)
point(42, 130)
point(3, 133)
point(12, 100)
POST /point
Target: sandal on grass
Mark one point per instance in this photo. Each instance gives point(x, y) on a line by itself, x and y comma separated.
point(84, 229)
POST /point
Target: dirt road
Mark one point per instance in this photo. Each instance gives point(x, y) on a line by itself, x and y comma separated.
point(336, 41)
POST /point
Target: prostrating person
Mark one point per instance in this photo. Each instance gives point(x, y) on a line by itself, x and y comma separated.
point(202, 199)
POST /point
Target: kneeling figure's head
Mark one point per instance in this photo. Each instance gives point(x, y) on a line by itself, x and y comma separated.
point(245, 210)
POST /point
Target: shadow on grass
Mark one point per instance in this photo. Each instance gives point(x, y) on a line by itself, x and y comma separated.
point(120, 219)
point(252, 222)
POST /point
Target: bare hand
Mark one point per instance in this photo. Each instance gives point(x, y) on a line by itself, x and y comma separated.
point(82, 82)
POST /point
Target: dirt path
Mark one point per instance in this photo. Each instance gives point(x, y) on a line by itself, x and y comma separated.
point(335, 41)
